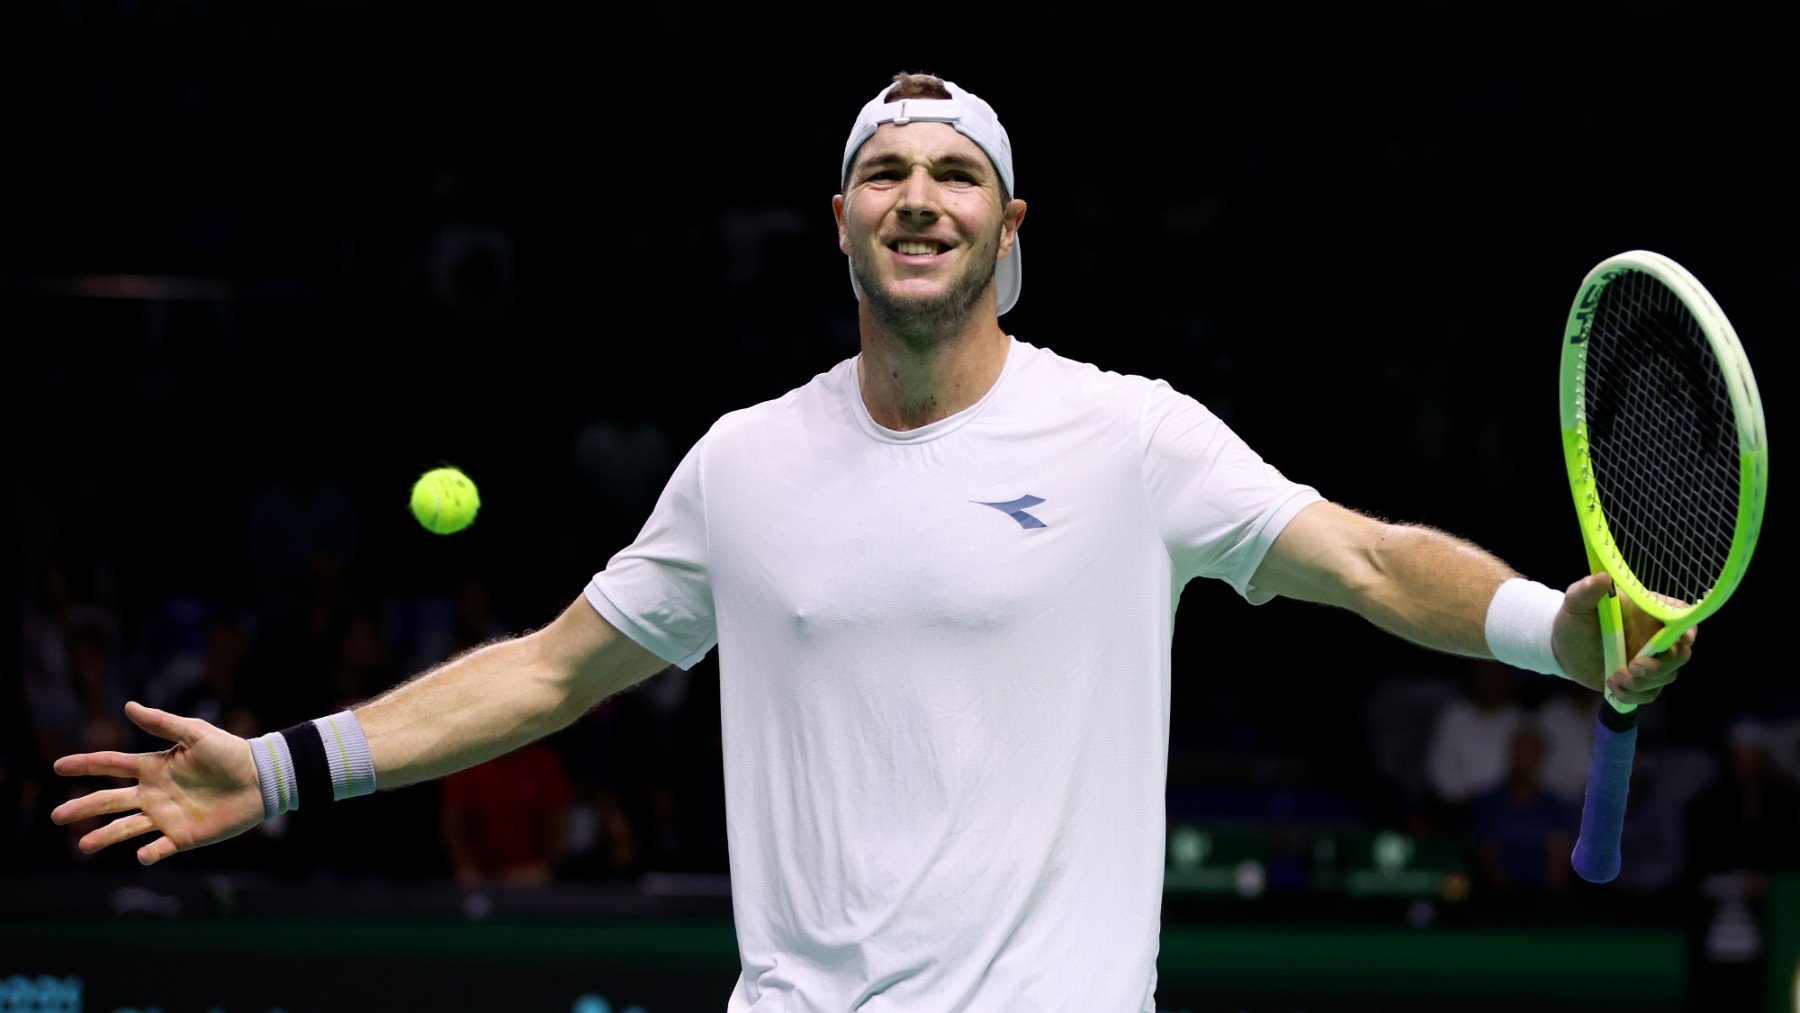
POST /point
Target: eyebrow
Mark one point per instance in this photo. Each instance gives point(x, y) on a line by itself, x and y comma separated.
point(951, 160)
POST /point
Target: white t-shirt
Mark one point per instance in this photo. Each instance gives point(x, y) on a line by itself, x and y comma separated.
point(1566, 723)
point(1471, 748)
point(944, 676)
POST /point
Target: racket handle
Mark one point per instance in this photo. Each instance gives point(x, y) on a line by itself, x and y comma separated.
point(1596, 857)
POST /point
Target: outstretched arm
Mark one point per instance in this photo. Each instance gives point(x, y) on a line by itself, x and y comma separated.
point(489, 701)
point(497, 698)
point(1434, 590)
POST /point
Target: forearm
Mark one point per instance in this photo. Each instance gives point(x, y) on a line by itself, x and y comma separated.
point(473, 708)
point(1415, 582)
point(1439, 591)
point(1431, 588)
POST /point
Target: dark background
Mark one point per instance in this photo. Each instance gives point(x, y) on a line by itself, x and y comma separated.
point(259, 267)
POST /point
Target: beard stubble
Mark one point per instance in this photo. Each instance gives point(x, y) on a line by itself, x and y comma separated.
point(925, 322)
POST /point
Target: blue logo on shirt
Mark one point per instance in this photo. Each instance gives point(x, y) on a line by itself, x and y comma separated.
point(1015, 509)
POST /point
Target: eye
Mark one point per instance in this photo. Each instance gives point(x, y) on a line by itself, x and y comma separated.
point(882, 175)
point(956, 177)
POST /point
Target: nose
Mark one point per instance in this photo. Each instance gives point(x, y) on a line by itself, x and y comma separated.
point(918, 196)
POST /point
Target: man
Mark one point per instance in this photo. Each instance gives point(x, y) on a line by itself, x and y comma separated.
point(942, 578)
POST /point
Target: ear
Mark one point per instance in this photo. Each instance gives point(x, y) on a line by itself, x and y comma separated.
point(1010, 220)
point(837, 211)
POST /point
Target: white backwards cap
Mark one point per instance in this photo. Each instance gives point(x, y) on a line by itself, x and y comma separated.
point(974, 119)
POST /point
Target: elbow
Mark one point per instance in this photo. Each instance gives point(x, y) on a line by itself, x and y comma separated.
point(1370, 565)
point(554, 680)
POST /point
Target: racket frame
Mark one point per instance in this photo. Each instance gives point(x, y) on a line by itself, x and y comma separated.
point(1753, 456)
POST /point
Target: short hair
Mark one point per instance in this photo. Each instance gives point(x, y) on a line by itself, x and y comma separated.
point(916, 86)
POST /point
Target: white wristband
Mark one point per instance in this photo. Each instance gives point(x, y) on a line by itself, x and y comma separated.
point(1520, 622)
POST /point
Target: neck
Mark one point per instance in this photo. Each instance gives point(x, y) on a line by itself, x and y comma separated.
point(908, 384)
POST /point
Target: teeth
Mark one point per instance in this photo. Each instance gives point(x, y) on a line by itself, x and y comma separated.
point(915, 249)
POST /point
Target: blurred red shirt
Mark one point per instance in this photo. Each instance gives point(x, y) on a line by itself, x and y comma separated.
point(507, 807)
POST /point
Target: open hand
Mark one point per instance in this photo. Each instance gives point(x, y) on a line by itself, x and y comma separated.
point(1578, 647)
point(202, 789)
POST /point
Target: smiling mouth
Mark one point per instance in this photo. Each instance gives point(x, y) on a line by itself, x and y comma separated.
point(917, 247)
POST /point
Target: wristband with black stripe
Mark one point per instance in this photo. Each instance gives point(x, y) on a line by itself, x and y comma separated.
point(321, 760)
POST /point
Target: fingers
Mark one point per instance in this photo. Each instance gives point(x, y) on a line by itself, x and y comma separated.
point(105, 764)
point(1619, 685)
point(156, 851)
point(1644, 679)
point(1680, 652)
point(1584, 595)
point(164, 725)
point(122, 829)
point(113, 800)
point(161, 724)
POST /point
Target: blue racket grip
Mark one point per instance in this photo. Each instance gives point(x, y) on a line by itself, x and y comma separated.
point(1596, 857)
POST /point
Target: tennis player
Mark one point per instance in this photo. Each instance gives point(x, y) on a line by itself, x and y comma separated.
point(942, 579)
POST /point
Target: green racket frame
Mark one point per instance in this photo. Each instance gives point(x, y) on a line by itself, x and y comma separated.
point(1753, 456)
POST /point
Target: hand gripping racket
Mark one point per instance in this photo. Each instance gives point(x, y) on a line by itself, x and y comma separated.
point(1668, 461)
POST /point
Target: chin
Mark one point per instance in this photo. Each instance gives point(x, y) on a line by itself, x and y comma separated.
point(923, 313)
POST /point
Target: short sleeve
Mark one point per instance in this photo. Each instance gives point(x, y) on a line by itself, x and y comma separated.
point(1217, 503)
point(658, 589)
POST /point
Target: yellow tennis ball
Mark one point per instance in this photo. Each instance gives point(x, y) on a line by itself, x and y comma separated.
point(445, 501)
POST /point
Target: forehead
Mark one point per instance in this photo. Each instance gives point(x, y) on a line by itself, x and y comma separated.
point(921, 141)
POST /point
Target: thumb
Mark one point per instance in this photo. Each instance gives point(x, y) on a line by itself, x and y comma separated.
point(1584, 595)
point(162, 724)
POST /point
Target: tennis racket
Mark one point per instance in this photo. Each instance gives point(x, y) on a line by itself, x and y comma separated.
point(1668, 462)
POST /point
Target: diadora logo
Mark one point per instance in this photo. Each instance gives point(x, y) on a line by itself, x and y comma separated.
point(1015, 508)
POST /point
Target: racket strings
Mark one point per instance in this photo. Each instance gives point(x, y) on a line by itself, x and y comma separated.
point(1662, 438)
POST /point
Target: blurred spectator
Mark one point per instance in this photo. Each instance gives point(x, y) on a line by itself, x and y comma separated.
point(364, 667)
point(1565, 719)
point(1472, 738)
point(1784, 744)
point(1665, 780)
point(1743, 828)
point(300, 645)
point(651, 713)
point(26, 834)
point(204, 682)
point(506, 821)
point(603, 836)
point(603, 840)
point(430, 630)
point(1751, 816)
point(300, 522)
point(1522, 832)
point(72, 680)
point(1400, 716)
point(92, 639)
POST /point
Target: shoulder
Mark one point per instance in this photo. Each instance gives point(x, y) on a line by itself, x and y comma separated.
point(1077, 377)
point(779, 415)
point(1067, 386)
point(1152, 403)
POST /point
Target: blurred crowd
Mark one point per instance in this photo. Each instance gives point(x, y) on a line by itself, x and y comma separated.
point(1502, 758)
